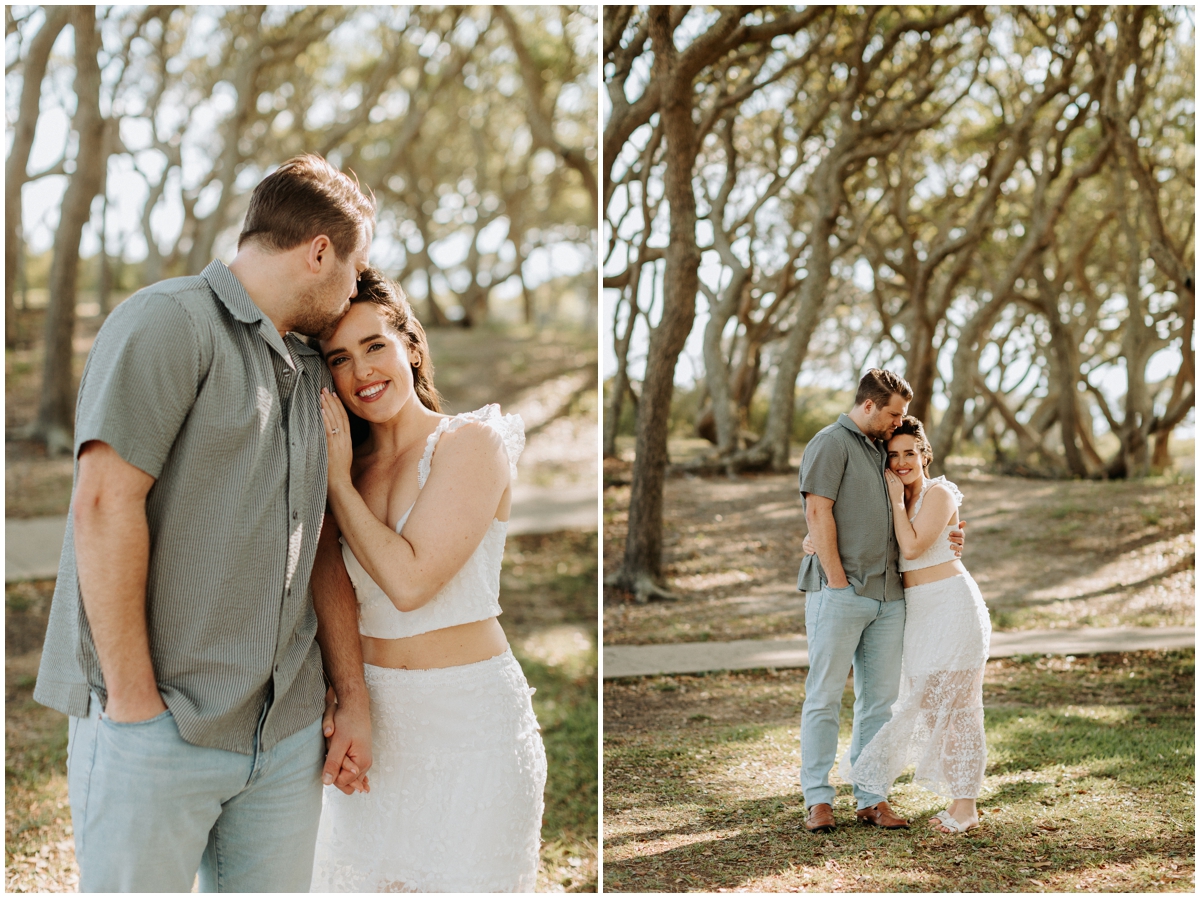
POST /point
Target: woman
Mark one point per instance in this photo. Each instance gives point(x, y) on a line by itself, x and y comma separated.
point(455, 797)
point(937, 721)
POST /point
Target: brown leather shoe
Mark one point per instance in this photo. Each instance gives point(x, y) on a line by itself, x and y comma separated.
point(881, 815)
point(820, 819)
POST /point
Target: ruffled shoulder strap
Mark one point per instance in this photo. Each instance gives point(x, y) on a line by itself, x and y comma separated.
point(955, 492)
point(510, 427)
point(930, 483)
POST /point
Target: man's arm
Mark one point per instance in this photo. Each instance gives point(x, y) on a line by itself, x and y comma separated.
point(818, 513)
point(112, 556)
point(956, 541)
point(348, 757)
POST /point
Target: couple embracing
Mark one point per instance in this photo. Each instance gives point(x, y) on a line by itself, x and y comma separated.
point(888, 597)
point(281, 569)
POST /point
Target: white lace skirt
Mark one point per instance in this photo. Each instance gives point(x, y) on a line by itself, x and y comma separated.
point(937, 721)
point(456, 787)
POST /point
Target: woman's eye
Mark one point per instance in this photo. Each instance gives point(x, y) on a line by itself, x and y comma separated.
point(375, 346)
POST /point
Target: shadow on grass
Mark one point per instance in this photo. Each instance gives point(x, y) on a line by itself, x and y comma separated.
point(971, 863)
point(1129, 745)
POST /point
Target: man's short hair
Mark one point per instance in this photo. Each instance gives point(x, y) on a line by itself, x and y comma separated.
point(880, 386)
point(304, 198)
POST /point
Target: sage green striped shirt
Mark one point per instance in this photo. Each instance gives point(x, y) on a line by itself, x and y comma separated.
point(191, 383)
point(843, 464)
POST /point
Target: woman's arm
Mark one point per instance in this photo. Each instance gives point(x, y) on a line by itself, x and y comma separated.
point(919, 534)
point(452, 514)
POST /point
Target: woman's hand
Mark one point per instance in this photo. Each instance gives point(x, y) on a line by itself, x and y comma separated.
point(348, 779)
point(337, 438)
point(895, 488)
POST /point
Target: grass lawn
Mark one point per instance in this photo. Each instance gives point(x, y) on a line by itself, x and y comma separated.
point(548, 591)
point(1090, 787)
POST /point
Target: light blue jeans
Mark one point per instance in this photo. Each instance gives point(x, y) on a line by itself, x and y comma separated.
point(844, 630)
point(150, 810)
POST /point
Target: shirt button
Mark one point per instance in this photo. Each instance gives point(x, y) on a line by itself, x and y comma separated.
point(295, 514)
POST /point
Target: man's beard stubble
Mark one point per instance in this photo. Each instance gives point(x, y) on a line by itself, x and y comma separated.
point(880, 432)
point(313, 321)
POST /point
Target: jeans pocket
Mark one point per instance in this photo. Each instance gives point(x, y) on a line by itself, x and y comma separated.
point(149, 721)
point(812, 610)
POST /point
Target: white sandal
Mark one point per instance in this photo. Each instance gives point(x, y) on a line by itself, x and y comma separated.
point(955, 827)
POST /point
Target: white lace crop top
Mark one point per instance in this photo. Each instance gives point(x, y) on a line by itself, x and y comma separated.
point(940, 550)
point(473, 593)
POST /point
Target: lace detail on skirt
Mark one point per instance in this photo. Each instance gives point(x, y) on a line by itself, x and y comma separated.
point(937, 721)
point(456, 787)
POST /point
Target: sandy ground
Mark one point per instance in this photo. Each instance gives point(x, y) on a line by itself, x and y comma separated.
point(1045, 553)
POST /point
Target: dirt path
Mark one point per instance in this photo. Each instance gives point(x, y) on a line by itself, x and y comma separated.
point(1045, 553)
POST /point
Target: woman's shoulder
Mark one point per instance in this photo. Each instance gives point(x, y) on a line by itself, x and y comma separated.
point(483, 429)
point(945, 487)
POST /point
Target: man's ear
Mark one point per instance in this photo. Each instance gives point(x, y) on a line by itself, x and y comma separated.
point(318, 253)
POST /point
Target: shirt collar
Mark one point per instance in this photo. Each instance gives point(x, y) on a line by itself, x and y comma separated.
point(847, 422)
point(233, 295)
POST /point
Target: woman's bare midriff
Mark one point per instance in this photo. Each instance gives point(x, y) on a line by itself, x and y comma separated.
point(934, 573)
point(448, 647)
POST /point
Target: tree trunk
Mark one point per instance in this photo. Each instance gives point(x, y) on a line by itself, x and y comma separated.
point(1183, 391)
point(641, 569)
point(774, 449)
point(920, 363)
point(716, 369)
point(1136, 345)
point(16, 173)
point(55, 418)
point(616, 398)
point(104, 274)
point(1064, 370)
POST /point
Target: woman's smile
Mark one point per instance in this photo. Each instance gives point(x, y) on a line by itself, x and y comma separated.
point(372, 391)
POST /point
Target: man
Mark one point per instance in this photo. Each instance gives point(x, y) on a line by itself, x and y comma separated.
point(854, 609)
point(184, 639)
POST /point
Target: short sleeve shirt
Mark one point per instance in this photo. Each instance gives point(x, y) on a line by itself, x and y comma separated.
point(190, 382)
point(843, 464)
